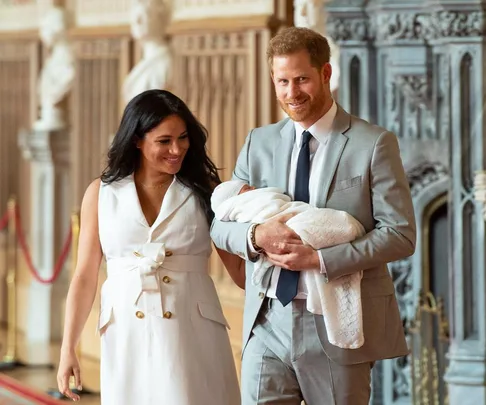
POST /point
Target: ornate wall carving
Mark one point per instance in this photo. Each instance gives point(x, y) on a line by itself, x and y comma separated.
point(425, 83)
point(349, 29)
point(406, 25)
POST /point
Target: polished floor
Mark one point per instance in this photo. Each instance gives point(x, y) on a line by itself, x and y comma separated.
point(43, 378)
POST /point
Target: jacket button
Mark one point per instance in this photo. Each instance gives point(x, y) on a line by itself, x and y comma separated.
point(167, 315)
point(139, 314)
point(166, 279)
point(261, 295)
point(168, 253)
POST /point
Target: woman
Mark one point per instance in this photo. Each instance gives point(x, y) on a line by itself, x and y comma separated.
point(163, 333)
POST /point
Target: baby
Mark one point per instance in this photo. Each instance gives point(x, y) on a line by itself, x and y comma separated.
point(339, 300)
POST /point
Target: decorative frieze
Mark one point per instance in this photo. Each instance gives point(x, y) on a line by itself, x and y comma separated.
point(349, 29)
point(407, 26)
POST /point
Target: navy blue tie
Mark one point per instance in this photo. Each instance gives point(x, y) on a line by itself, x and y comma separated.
point(288, 281)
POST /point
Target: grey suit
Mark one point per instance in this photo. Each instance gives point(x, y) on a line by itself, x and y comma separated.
point(364, 176)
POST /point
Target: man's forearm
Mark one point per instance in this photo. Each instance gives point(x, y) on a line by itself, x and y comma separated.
point(231, 237)
point(377, 247)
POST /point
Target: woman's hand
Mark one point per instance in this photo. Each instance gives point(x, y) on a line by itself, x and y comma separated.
point(68, 366)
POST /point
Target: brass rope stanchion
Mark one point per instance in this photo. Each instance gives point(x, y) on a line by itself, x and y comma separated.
point(10, 360)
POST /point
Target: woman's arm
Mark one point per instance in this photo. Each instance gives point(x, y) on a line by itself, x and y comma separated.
point(83, 287)
point(235, 266)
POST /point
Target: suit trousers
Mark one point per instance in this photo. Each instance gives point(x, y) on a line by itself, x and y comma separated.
point(284, 363)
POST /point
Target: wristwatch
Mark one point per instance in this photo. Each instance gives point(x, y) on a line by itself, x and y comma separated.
point(257, 248)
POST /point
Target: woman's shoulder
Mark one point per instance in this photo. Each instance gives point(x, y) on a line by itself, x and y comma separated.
point(91, 194)
point(116, 183)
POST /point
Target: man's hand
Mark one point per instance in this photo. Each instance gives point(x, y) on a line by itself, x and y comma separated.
point(283, 246)
point(276, 237)
point(299, 258)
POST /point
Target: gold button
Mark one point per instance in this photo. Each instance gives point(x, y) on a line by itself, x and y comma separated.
point(137, 254)
point(261, 295)
point(168, 253)
point(166, 279)
point(167, 315)
point(139, 314)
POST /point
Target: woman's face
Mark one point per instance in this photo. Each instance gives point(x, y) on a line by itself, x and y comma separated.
point(163, 149)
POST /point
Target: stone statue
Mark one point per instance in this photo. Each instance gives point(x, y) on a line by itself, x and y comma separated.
point(57, 74)
point(149, 21)
point(311, 14)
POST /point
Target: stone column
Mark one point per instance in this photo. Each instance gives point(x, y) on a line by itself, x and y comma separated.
point(48, 153)
point(46, 146)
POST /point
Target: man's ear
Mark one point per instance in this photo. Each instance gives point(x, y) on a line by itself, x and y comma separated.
point(326, 73)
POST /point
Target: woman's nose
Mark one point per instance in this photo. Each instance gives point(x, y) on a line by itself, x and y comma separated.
point(175, 148)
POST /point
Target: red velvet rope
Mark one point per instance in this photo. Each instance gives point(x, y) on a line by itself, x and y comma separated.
point(4, 221)
point(25, 250)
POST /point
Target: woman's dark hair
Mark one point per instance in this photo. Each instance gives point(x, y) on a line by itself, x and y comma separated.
point(142, 114)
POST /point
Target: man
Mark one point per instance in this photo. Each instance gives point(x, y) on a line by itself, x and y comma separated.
point(322, 155)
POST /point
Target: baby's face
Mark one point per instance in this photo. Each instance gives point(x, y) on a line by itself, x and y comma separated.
point(246, 188)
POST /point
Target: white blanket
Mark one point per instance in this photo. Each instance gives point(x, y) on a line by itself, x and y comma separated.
point(338, 301)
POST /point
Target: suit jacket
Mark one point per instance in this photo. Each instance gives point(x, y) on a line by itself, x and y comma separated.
point(364, 176)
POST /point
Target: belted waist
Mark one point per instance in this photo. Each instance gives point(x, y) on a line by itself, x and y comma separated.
point(181, 263)
point(148, 290)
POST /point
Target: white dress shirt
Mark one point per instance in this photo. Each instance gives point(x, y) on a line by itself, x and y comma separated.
point(320, 132)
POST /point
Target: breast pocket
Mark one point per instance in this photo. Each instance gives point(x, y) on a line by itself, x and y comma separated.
point(346, 194)
point(345, 184)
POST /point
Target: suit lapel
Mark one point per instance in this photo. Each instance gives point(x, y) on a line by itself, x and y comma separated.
point(337, 142)
point(281, 156)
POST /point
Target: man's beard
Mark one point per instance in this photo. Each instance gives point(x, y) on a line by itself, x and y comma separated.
point(312, 109)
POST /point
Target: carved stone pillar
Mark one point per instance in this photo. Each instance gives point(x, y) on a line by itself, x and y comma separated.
point(350, 29)
point(462, 28)
point(48, 153)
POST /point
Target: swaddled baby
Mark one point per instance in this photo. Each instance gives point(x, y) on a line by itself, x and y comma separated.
point(339, 301)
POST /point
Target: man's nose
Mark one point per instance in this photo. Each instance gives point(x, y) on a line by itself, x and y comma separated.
point(293, 91)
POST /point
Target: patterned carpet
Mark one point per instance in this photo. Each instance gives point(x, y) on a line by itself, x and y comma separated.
point(12, 392)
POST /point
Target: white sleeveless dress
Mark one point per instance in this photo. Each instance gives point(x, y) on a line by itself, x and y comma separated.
point(163, 332)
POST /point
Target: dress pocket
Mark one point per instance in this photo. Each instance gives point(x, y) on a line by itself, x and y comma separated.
point(104, 320)
point(213, 313)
